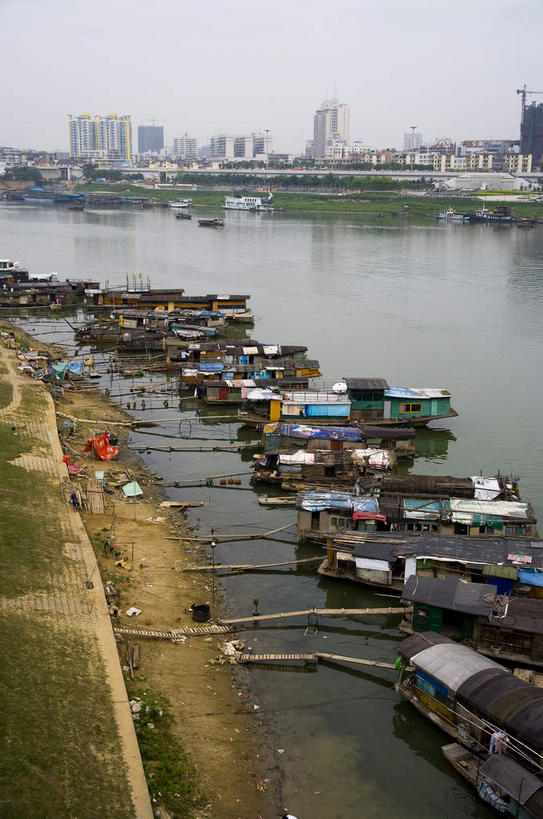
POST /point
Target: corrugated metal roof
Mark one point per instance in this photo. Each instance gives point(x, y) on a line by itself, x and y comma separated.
point(523, 614)
point(451, 664)
point(503, 509)
point(511, 777)
point(450, 593)
point(366, 383)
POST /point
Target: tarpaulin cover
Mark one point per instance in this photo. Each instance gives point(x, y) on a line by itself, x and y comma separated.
point(101, 447)
point(211, 367)
point(417, 508)
point(300, 457)
point(321, 433)
point(366, 509)
point(262, 395)
point(318, 501)
point(328, 410)
point(486, 488)
point(376, 458)
point(531, 577)
point(132, 489)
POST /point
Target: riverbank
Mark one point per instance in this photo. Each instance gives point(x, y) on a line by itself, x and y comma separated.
point(226, 772)
point(60, 679)
point(365, 202)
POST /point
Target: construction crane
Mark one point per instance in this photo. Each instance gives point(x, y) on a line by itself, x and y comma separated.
point(524, 92)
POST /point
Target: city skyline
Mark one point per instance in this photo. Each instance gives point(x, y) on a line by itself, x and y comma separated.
point(388, 69)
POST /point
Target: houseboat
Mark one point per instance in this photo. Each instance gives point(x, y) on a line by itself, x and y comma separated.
point(482, 614)
point(248, 203)
point(320, 407)
point(418, 503)
point(180, 204)
point(388, 560)
point(374, 401)
point(169, 299)
point(279, 437)
point(494, 718)
point(234, 391)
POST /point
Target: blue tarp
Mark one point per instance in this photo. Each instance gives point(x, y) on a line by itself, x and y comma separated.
point(532, 577)
point(327, 410)
point(318, 501)
point(211, 367)
point(322, 433)
point(402, 392)
point(365, 505)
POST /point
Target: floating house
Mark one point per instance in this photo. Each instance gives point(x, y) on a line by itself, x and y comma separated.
point(289, 437)
point(320, 407)
point(420, 503)
point(374, 401)
point(390, 559)
point(232, 305)
point(508, 628)
point(235, 390)
point(493, 715)
point(325, 468)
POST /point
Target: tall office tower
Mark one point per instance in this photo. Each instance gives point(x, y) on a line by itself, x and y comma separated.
point(150, 138)
point(108, 137)
point(185, 147)
point(412, 141)
point(531, 131)
point(331, 121)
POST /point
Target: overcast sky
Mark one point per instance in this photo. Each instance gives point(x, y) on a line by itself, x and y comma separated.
point(237, 66)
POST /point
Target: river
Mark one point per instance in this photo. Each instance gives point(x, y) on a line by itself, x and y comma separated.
point(416, 302)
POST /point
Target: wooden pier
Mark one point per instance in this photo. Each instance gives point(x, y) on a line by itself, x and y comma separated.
point(172, 634)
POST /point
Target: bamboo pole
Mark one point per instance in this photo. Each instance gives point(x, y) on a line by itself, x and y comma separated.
point(304, 612)
point(233, 536)
point(357, 661)
point(248, 567)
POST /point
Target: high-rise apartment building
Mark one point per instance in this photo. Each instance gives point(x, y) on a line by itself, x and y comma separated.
point(531, 131)
point(95, 137)
point(331, 122)
point(248, 146)
point(185, 147)
point(412, 141)
point(150, 138)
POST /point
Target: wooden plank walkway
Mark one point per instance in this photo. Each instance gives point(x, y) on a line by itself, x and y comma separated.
point(278, 659)
point(172, 634)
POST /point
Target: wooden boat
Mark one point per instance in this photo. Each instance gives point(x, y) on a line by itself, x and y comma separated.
point(180, 215)
point(483, 707)
point(211, 222)
point(288, 501)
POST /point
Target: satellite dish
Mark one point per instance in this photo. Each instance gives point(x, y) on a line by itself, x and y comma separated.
point(340, 387)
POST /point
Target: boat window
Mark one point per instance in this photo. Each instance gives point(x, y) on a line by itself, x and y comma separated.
point(410, 407)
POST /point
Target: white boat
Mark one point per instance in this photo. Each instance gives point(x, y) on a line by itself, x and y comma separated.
point(181, 203)
point(452, 215)
point(253, 203)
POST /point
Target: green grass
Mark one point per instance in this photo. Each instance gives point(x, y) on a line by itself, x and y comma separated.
point(58, 741)
point(60, 750)
point(5, 387)
point(169, 774)
point(364, 202)
point(30, 546)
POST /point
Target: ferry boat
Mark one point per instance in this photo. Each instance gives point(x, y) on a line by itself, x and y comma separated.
point(252, 203)
point(500, 214)
point(181, 203)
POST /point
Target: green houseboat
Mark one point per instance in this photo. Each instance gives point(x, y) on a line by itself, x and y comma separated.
point(374, 401)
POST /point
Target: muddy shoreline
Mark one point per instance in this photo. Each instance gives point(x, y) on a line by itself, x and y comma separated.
point(216, 716)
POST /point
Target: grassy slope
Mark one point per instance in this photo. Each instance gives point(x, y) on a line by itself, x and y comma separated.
point(58, 737)
point(364, 202)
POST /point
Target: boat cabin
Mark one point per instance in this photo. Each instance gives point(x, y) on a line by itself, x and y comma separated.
point(287, 437)
point(494, 623)
point(389, 560)
point(375, 401)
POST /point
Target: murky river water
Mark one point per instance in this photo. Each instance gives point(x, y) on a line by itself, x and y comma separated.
point(415, 302)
